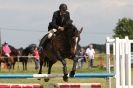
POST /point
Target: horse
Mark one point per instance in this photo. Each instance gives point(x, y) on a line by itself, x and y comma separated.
point(62, 45)
point(24, 55)
point(10, 62)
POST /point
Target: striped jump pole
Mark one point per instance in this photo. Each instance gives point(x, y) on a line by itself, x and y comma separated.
point(9, 85)
point(77, 75)
point(75, 85)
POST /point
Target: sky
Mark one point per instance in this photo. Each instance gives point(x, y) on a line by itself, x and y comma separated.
point(24, 22)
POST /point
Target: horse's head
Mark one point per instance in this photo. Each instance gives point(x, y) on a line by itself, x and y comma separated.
point(29, 49)
point(74, 37)
point(20, 51)
point(75, 41)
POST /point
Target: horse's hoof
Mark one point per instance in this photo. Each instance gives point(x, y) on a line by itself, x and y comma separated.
point(38, 79)
point(65, 78)
point(46, 80)
point(72, 73)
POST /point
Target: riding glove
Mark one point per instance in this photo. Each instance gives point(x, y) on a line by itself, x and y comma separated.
point(61, 28)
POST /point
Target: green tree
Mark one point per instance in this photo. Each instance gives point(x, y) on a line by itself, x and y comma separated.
point(124, 28)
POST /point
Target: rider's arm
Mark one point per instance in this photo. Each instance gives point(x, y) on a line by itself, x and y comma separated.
point(54, 20)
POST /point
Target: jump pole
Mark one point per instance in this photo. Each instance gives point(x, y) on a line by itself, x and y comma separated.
point(9, 85)
point(77, 75)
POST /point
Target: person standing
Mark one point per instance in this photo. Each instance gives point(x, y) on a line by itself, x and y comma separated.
point(36, 58)
point(81, 58)
point(90, 52)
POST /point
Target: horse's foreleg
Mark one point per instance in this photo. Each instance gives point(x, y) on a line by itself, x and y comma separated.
point(50, 66)
point(13, 65)
point(26, 65)
point(63, 61)
point(23, 65)
point(72, 73)
point(9, 64)
point(65, 77)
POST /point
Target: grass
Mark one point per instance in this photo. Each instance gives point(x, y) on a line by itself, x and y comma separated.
point(57, 68)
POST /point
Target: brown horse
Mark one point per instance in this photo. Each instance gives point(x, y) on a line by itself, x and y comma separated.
point(62, 45)
point(10, 62)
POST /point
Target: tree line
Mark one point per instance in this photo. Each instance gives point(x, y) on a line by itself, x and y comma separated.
point(124, 27)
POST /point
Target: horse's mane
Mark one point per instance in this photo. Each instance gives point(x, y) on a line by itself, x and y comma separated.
point(43, 40)
point(14, 51)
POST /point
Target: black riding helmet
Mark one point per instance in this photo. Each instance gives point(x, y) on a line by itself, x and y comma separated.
point(63, 7)
point(5, 42)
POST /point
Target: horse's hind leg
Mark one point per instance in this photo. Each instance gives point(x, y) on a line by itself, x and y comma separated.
point(41, 64)
point(40, 69)
point(49, 70)
point(0, 66)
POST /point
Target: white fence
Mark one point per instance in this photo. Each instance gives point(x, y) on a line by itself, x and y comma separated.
point(122, 61)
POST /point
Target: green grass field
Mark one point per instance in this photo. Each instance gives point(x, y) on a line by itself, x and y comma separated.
point(57, 68)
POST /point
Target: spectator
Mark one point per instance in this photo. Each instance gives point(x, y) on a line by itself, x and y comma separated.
point(36, 58)
point(90, 52)
point(81, 58)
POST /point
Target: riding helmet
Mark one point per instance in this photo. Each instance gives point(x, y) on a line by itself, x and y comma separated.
point(63, 7)
point(6, 42)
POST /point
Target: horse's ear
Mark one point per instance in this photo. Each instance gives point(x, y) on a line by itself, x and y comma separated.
point(81, 30)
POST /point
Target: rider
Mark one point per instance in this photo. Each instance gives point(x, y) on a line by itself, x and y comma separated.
point(6, 49)
point(60, 18)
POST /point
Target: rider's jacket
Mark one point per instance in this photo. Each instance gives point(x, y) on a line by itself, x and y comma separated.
point(6, 49)
point(59, 20)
